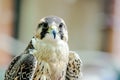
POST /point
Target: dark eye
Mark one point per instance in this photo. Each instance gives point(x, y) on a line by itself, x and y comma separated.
point(45, 24)
point(61, 25)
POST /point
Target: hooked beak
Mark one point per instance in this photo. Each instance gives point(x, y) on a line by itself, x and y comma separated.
point(53, 31)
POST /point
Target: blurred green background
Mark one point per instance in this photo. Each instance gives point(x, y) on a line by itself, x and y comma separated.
point(93, 27)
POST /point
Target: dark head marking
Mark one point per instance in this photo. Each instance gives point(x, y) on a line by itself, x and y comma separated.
point(43, 33)
point(44, 24)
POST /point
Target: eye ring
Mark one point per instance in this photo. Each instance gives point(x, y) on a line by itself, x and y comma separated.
point(61, 25)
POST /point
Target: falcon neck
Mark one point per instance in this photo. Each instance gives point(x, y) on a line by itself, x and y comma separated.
point(36, 44)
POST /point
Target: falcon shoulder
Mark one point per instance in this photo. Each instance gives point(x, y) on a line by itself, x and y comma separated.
point(73, 71)
point(21, 68)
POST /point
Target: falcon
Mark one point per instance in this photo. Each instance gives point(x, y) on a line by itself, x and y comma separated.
point(47, 56)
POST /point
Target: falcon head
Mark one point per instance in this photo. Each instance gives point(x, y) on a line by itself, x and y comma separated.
point(52, 28)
